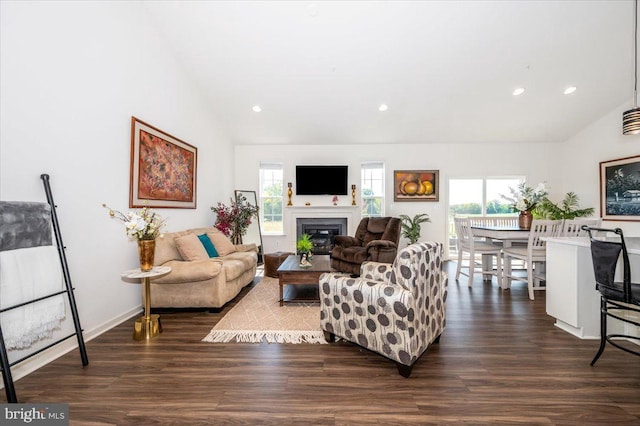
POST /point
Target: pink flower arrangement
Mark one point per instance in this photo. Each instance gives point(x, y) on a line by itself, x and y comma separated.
point(234, 220)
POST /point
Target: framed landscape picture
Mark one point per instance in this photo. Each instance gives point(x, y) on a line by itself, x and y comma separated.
point(620, 189)
point(416, 185)
point(163, 169)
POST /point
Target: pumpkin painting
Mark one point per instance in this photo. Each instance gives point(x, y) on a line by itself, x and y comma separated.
point(415, 185)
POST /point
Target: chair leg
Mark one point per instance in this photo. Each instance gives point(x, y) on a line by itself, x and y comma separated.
point(506, 279)
point(603, 329)
point(329, 337)
point(530, 280)
point(459, 264)
point(499, 269)
point(472, 267)
point(404, 370)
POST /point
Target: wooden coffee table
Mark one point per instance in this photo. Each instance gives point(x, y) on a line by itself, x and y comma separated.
point(291, 273)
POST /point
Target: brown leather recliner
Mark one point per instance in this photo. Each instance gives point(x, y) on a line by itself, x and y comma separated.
point(376, 240)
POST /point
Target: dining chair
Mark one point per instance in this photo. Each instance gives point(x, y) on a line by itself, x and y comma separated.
point(618, 299)
point(534, 255)
point(573, 227)
point(468, 244)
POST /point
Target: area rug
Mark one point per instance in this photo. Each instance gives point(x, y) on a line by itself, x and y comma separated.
point(258, 318)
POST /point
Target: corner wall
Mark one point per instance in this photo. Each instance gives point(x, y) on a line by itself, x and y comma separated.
point(602, 140)
point(72, 75)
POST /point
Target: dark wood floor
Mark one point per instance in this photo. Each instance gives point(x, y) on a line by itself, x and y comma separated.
point(499, 361)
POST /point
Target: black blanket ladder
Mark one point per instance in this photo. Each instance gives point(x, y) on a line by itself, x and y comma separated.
point(5, 365)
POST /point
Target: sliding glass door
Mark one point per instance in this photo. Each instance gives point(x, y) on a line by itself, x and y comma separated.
point(477, 197)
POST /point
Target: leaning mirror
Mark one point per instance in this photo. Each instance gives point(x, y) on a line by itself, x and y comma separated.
point(254, 234)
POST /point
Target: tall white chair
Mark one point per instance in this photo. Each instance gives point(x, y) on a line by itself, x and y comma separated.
point(534, 253)
point(467, 243)
point(573, 227)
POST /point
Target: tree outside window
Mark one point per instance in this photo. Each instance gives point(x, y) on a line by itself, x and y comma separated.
point(372, 189)
point(478, 197)
point(271, 198)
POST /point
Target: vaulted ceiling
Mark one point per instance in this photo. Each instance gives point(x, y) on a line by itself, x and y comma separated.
point(446, 69)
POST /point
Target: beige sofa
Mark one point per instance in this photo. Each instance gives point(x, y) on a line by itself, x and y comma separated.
point(206, 283)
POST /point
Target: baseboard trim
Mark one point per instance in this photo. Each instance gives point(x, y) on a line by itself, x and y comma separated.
point(30, 365)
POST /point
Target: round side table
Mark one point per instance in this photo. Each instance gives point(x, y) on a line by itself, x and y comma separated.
point(147, 326)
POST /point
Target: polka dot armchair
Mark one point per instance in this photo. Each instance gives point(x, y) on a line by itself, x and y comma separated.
point(396, 310)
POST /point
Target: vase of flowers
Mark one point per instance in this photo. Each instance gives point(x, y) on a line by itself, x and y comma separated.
point(525, 219)
point(524, 199)
point(143, 226)
point(234, 220)
point(146, 253)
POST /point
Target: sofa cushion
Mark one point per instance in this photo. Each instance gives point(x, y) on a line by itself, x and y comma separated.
point(233, 268)
point(248, 258)
point(208, 245)
point(196, 271)
point(223, 245)
point(190, 247)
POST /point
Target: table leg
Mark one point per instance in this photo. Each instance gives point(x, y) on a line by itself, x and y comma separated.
point(281, 291)
point(147, 326)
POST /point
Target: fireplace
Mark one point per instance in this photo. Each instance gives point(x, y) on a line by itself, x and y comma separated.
point(322, 231)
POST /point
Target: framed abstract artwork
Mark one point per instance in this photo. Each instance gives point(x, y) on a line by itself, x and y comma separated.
point(620, 189)
point(163, 169)
point(416, 185)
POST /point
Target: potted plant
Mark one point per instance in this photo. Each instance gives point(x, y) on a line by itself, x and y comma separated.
point(304, 246)
point(410, 227)
point(569, 208)
point(524, 199)
point(234, 220)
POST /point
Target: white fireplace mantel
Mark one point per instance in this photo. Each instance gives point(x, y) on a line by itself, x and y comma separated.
point(291, 213)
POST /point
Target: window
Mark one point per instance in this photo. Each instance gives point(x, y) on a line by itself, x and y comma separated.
point(480, 197)
point(372, 184)
point(271, 198)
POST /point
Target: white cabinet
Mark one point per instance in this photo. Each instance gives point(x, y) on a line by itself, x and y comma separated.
point(572, 298)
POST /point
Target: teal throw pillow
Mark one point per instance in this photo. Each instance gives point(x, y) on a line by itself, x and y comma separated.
point(208, 245)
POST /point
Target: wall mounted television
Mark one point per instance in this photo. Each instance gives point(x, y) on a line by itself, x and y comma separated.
point(322, 180)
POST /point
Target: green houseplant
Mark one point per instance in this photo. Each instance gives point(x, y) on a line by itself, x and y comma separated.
point(304, 246)
point(568, 208)
point(411, 226)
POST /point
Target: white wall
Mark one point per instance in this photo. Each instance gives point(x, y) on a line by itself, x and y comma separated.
point(602, 140)
point(72, 75)
point(569, 166)
point(535, 161)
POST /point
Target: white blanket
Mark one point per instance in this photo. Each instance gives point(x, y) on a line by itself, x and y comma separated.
point(26, 274)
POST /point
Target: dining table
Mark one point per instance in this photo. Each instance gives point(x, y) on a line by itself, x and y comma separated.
point(505, 234)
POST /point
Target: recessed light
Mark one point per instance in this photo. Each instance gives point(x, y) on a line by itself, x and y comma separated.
point(383, 107)
point(519, 91)
point(256, 108)
point(569, 90)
